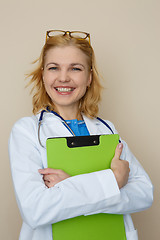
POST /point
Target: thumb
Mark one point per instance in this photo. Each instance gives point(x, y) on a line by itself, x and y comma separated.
point(118, 151)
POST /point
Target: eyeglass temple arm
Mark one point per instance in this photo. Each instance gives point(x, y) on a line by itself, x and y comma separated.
point(46, 35)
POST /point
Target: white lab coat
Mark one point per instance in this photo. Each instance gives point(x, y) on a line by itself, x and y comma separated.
point(41, 206)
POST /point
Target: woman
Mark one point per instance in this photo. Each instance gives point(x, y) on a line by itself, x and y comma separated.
point(65, 102)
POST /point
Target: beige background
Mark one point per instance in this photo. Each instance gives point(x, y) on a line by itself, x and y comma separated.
point(126, 38)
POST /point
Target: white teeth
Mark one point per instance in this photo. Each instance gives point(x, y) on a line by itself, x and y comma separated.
point(64, 89)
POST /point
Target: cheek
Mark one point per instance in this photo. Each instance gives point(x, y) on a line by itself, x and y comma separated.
point(47, 79)
point(47, 84)
point(83, 89)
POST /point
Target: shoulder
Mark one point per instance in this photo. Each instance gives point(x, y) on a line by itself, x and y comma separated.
point(111, 125)
point(24, 133)
point(103, 126)
point(28, 124)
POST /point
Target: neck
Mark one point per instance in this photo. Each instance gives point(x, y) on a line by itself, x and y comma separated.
point(69, 113)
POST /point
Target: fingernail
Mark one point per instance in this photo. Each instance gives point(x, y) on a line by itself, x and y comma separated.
point(39, 170)
point(120, 145)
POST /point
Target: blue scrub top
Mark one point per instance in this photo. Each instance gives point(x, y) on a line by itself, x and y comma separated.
point(78, 127)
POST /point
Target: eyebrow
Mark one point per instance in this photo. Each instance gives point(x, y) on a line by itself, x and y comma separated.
point(72, 64)
point(52, 63)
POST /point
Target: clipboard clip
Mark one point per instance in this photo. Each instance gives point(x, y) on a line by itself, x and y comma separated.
point(83, 141)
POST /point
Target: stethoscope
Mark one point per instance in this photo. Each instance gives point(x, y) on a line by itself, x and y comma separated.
point(64, 122)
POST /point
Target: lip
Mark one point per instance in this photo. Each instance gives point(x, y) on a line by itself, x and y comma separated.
point(64, 90)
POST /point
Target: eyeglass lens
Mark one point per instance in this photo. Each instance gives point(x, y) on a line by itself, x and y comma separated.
point(72, 34)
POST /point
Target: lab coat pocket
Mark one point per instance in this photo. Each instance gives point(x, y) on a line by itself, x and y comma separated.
point(132, 235)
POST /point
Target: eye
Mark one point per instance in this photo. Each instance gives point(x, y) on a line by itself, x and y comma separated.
point(76, 69)
point(53, 68)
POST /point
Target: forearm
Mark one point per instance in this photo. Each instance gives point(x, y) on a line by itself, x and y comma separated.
point(72, 197)
point(134, 197)
point(137, 194)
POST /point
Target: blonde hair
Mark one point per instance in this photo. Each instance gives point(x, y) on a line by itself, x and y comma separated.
point(89, 102)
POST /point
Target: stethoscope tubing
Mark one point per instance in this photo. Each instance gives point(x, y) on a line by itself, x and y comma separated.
point(64, 122)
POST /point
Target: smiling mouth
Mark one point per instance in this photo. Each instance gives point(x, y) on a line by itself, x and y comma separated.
point(64, 89)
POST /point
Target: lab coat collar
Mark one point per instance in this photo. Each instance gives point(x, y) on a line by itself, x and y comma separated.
point(92, 125)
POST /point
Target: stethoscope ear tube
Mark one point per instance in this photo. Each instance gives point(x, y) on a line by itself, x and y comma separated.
point(65, 124)
point(39, 124)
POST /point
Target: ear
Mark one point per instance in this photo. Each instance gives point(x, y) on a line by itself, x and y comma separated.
point(42, 74)
point(89, 79)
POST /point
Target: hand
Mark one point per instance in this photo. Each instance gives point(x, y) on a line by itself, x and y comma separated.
point(53, 176)
point(120, 167)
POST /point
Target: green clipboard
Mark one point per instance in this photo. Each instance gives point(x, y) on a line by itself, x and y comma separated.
point(78, 155)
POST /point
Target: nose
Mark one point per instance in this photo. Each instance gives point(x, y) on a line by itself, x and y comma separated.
point(63, 76)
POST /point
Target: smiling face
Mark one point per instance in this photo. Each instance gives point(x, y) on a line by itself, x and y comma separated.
point(66, 77)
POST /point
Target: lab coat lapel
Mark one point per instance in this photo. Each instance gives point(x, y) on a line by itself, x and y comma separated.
point(61, 130)
point(93, 125)
point(52, 127)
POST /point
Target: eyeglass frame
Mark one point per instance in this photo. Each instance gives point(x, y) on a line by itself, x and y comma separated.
point(69, 33)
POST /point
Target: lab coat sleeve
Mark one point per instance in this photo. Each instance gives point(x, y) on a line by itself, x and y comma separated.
point(137, 194)
point(72, 197)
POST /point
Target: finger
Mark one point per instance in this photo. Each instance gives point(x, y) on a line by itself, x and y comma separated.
point(48, 178)
point(48, 171)
point(48, 184)
point(45, 171)
point(118, 151)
